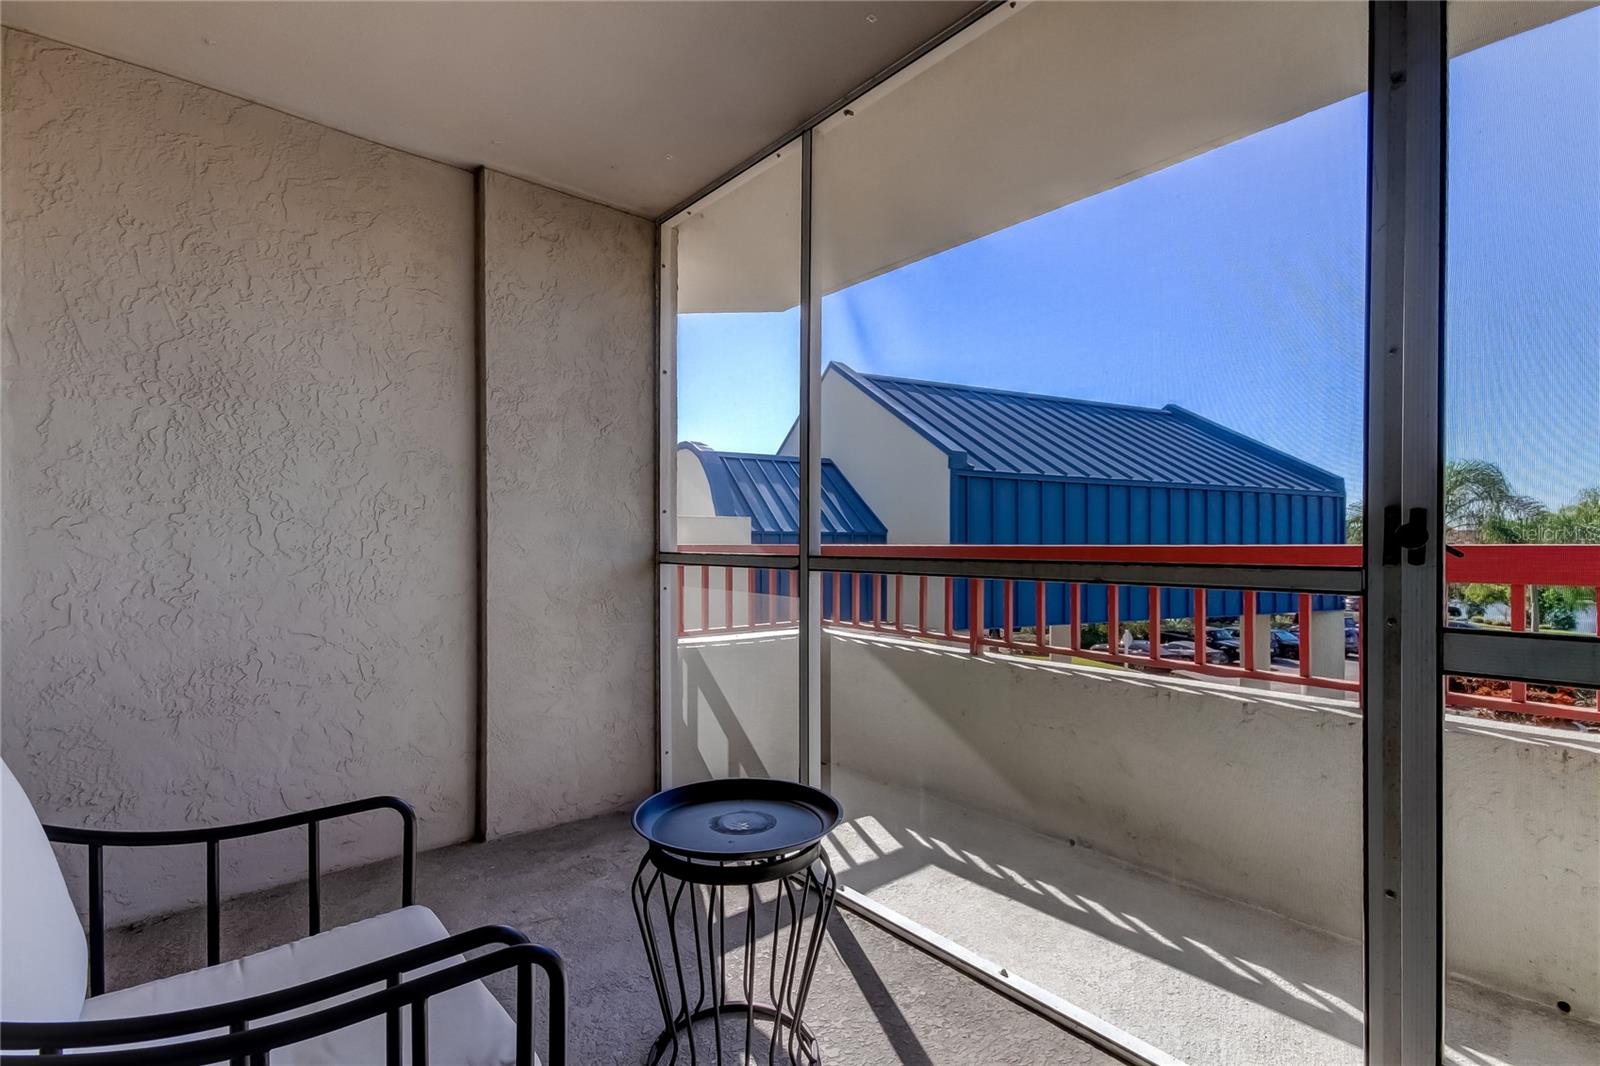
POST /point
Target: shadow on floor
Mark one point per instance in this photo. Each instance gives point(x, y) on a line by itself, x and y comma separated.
point(875, 1000)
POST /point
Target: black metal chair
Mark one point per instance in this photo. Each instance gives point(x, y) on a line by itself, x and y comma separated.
point(394, 989)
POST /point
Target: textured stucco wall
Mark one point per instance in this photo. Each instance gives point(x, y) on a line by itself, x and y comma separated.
point(238, 462)
point(570, 477)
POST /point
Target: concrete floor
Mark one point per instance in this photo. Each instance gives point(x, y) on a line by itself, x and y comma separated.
point(1206, 979)
point(875, 1000)
point(1203, 978)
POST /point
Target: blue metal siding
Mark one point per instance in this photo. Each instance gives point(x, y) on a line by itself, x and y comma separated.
point(989, 509)
point(1031, 469)
point(1035, 469)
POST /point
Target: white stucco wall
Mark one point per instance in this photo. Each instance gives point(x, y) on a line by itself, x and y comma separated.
point(238, 462)
point(569, 370)
point(1252, 794)
point(240, 529)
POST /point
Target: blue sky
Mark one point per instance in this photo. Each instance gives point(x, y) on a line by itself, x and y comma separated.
point(1233, 284)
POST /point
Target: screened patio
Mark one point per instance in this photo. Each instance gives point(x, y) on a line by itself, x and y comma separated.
point(1135, 458)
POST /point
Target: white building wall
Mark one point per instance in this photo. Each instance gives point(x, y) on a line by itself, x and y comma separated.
point(698, 521)
point(903, 477)
point(694, 489)
point(710, 529)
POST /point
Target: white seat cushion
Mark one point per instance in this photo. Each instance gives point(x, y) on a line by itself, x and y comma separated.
point(466, 1025)
point(44, 966)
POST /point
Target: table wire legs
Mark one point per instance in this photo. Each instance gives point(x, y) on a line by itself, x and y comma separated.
point(733, 946)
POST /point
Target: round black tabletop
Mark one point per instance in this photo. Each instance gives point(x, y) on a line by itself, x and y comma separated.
point(737, 819)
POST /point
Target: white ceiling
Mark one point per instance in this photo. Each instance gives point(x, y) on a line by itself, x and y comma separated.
point(1035, 107)
point(633, 104)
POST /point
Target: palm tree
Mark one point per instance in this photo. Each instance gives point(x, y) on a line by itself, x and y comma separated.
point(1481, 507)
point(1576, 523)
point(1355, 523)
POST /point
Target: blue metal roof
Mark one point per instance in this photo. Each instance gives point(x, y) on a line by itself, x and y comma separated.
point(766, 490)
point(990, 431)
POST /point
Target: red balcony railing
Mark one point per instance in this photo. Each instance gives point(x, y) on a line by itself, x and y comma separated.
point(924, 608)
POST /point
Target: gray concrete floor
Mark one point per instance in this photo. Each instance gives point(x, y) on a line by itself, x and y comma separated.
point(875, 1001)
point(1203, 978)
point(1206, 979)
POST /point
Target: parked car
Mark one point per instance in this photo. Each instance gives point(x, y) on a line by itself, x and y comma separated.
point(1184, 649)
point(1224, 640)
point(1226, 645)
point(1175, 644)
point(1281, 644)
point(1352, 637)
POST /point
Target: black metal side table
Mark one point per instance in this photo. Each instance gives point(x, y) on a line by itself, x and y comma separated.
point(762, 840)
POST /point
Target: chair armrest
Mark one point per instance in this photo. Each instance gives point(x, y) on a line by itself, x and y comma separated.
point(243, 1042)
point(96, 840)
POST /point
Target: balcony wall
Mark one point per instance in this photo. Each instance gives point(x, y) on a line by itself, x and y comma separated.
point(570, 480)
point(1251, 794)
point(241, 477)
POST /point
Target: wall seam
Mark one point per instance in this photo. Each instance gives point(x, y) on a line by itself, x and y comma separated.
point(657, 268)
point(480, 388)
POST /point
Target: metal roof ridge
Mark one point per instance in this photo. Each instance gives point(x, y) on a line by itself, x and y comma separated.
point(958, 457)
point(874, 385)
point(700, 448)
point(1259, 447)
point(1021, 394)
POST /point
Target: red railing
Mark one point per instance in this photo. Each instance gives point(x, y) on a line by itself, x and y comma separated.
point(906, 610)
point(762, 610)
point(1523, 567)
